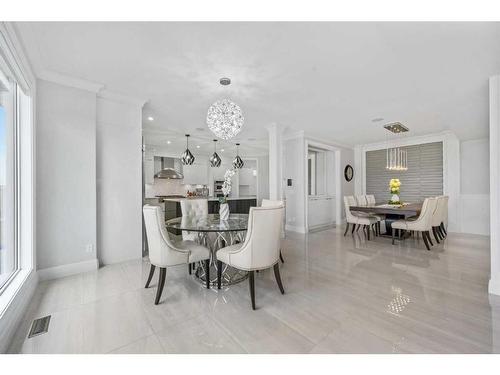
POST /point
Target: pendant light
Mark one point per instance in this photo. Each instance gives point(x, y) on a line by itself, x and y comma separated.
point(396, 157)
point(215, 160)
point(187, 157)
point(237, 162)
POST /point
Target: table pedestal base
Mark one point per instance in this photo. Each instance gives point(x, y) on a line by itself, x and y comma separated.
point(216, 241)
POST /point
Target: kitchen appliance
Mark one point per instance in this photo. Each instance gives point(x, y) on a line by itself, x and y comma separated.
point(218, 188)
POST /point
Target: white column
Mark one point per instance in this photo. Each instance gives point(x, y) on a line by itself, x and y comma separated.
point(275, 161)
point(494, 286)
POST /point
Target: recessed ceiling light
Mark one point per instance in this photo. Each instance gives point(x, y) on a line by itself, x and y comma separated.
point(168, 142)
point(200, 129)
point(151, 118)
point(198, 146)
point(221, 150)
point(378, 119)
point(225, 81)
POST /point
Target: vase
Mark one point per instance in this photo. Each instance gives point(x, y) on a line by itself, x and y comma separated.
point(224, 211)
point(395, 198)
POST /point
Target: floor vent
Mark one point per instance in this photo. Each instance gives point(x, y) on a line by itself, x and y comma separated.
point(39, 326)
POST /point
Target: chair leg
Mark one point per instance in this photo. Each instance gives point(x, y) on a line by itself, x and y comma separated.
point(444, 229)
point(281, 256)
point(393, 237)
point(346, 228)
point(219, 273)
point(435, 234)
point(429, 238)
point(278, 277)
point(353, 227)
point(150, 277)
point(359, 226)
point(368, 232)
point(161, 284)
point(189, 267)
point(440, 231)
point(207, 273)
point(425, 241)
point(251, 284)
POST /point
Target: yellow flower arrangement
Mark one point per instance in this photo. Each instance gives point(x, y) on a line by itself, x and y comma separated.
point(394, 186)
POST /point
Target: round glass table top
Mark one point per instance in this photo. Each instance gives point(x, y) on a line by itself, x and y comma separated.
point(209, 223)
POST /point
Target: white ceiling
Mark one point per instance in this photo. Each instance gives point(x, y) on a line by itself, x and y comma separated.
point(329, 79)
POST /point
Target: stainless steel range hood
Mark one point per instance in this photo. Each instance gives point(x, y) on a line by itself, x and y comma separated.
point(167, 172)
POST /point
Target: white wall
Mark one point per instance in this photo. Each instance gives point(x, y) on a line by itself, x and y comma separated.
point(263, 178)
point(66, 175)
point(119, 180)
point(347, 157)
point(475, 187)
point(293, 168)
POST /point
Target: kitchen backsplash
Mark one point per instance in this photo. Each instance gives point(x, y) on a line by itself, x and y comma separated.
point(165, 187)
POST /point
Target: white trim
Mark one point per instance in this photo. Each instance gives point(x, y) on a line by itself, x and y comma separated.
point(68, 269)
point(12, 316)
point(293, 228)
point(494, 286)
point(494, 127)
point(117, 97)
point(65, 80)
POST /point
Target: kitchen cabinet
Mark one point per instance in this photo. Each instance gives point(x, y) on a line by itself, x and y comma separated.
point(321, 212)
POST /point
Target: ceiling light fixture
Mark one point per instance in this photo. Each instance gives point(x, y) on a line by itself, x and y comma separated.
point(238, 162)
point(215, 159)
point(225, 119)
point(187, 157)
point(150, 118)
point(396, 157)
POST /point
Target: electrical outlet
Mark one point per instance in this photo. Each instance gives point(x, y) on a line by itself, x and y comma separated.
point(89, 248)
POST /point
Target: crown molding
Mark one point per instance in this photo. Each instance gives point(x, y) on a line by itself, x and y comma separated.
point(78, 83)
point(117, 97)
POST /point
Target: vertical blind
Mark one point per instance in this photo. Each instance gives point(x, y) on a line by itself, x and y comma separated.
point(424, 177)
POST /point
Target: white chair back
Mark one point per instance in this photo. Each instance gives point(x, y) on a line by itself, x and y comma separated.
point(439, 215)
point(370, 199)
point(193, 207)
point(162, 252)
point(424, 220)
point(348, 202)
point(361, 200)
point(261, 248)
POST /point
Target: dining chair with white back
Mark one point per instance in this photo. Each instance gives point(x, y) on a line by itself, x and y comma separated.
point(191, 208)
point(438, 218)
point(164, 253)
point(423, 223)
point(259, 251)
point(271, 203)
point(357, 218)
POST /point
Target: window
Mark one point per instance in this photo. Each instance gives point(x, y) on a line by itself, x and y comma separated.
point(8, 177)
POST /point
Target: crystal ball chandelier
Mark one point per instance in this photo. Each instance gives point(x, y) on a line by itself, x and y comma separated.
point(225, 119)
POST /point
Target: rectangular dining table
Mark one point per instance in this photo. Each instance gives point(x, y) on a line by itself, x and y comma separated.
point(391, 212)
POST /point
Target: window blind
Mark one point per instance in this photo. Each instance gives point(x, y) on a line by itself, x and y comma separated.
point(424, 177)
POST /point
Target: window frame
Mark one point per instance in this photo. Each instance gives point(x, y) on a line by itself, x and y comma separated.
point(14, 122)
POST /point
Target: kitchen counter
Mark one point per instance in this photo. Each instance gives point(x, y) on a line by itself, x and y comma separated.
point(210, 199)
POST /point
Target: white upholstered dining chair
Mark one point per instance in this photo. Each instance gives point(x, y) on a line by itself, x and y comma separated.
point(357, 218)
point(438, 218)
point(259, 251)
point(271, 203)
point(191, 208)
point(164, 253)
point(423, 223)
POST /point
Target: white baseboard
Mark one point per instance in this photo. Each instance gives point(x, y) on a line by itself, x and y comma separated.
point(494, 287)
point(68, 269)
point(293, 228)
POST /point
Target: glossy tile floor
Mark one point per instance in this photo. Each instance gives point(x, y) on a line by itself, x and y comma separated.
point(343, 295)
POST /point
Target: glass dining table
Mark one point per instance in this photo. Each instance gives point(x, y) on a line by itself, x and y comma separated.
point(215, 234)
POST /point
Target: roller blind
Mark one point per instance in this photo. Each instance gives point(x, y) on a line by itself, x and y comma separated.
point(424, 177)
